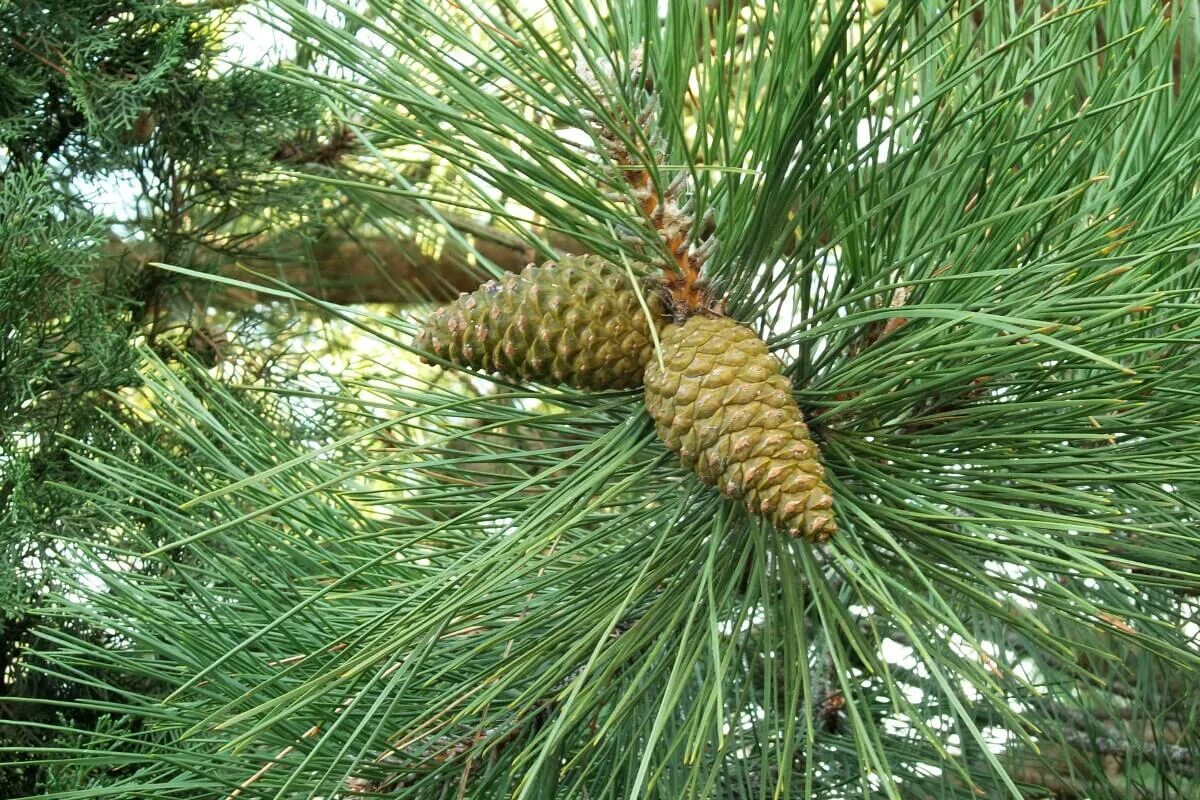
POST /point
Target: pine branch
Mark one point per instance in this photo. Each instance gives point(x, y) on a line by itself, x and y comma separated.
point(631, 139)
point(354, 269)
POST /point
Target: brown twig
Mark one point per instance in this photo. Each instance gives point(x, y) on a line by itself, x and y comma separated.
point(332, 150)
point(267, 767)
point(56, 67)
point(669, 210)
point(432, 749)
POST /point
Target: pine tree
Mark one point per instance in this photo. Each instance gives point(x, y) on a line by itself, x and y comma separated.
point(968, 234)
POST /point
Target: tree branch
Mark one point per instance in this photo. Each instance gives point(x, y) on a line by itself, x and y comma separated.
point(348, 270)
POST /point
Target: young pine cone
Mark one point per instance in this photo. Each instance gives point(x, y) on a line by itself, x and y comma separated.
point(720, 401)
point(576, 322)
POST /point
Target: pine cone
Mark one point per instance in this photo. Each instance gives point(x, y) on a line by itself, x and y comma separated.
point(721, 402)
point(577, 322)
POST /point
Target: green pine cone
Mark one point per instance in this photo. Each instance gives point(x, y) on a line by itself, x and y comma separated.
point(720, 401)
point(576, 322)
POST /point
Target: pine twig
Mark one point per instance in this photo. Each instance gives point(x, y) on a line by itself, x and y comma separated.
point(326, 153)
point(268, 766)
point(669, 211)
point(407, 764)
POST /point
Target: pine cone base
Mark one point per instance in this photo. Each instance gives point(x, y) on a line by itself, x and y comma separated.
point(721, 402)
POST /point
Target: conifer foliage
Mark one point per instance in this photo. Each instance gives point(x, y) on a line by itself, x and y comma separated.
point(124, 98)
point(927, 274)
